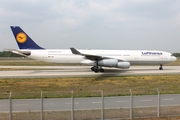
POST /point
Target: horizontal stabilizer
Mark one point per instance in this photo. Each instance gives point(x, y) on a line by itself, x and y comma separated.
point(24, 53)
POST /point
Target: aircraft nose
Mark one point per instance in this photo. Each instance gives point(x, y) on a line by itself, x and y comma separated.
point(174, 58)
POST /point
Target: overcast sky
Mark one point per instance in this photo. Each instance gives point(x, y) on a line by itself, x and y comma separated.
point(94, 24)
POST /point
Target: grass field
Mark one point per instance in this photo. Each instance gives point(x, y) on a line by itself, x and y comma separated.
point(89, 86)
point(26, 62)
point(84, 86)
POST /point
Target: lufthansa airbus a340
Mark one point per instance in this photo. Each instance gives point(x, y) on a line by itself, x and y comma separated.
point(95, 58)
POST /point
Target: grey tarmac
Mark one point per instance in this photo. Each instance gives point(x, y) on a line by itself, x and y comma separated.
point(79, 71)
point(64, 104)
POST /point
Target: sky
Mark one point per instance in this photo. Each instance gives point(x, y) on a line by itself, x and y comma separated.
point(93, 24)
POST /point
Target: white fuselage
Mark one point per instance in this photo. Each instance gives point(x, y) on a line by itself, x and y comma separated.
point(132, 56)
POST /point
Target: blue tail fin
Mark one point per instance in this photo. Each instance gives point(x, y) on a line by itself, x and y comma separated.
point(23, 40)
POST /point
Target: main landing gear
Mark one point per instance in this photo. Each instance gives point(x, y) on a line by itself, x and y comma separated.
point(97, 69)
point(161, 67)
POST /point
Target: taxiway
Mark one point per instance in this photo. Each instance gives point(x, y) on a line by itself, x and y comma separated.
point(64, 104)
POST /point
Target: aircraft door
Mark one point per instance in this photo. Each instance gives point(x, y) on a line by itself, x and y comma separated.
point(45, 55)
point(136, 56)
point(165, 58)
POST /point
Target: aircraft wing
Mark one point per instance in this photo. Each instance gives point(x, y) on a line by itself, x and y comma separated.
point(88, 56)
point(91, 56)
point(20, 52)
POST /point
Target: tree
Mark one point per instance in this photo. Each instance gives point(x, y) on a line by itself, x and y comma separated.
point(176, 54)
point(9, 54)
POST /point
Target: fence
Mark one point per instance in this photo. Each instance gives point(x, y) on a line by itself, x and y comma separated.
point(74, 108)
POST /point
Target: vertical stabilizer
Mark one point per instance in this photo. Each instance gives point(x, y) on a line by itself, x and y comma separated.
point(23, 40)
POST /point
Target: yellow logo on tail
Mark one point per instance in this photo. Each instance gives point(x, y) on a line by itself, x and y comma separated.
point(21, 37)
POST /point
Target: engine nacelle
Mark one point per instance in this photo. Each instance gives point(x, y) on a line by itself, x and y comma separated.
point(123, 65)
point(114, 63)
point(108, 62)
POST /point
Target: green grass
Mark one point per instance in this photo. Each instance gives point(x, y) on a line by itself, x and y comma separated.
point(26, 62)
point(83, 86)
point(89, 86)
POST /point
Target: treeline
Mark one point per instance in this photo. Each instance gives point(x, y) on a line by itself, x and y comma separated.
point(176, 54)
point(9, 54)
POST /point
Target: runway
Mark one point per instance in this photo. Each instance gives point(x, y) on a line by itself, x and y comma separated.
point(64, 104)
point(79, 71)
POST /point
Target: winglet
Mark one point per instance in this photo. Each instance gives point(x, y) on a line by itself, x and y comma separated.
point(74, 51)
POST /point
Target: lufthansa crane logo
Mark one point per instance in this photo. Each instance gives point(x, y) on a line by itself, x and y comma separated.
point(21, 37)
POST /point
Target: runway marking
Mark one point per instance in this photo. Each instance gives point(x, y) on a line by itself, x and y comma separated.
point(71, 103)
point(146, 100)
point(169, 99)
point(20, 104)
point(122, 101)
point(96, 102)
point(48, 104)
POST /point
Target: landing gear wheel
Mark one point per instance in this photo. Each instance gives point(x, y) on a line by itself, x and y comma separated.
point(92, 68)
point(101, 70)
point(160, 68)
point(96, 70)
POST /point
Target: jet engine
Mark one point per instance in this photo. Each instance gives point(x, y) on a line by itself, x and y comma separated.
point(123, 65)
point(114, 63)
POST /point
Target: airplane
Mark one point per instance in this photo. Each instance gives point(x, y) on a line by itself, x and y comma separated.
point(95, 58)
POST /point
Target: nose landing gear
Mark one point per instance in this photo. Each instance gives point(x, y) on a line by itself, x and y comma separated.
point(161, 67)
